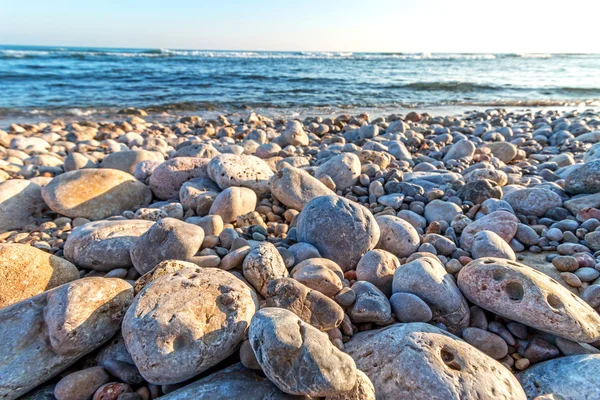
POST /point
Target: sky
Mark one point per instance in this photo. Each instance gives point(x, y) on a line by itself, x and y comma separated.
point(477, 26)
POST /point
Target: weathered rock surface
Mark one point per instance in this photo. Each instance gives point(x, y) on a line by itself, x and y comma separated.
point(356, 230)
point(42, 336)
point(584, 179)
point(426, 278)
point(263, 264)
point(525, 295)
point(241, 170)
point(343, 170)
point(21, 203)
point(533, 201)
point(397, 236)
point(166, 180)
point(26, 272)
point(502, 223)
point(95, 193)
point(185, 322)
point(319, 274)
point(420, 361)
point(297, 357)
point(104, 245)
point(295, 187)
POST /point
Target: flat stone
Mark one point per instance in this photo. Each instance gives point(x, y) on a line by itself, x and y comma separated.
point(21, 203)
point(241, 170)
point(295, 187)
point(166, 180)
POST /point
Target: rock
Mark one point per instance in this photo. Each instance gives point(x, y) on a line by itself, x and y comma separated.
point(479, 191)
point(592, 240)
point(104, 245)
point(127, 160)
point(235, 382)
point(438, 210)
point(303, 251)
point(168, 239)
point(21, 203)
point(123, 371)
point(113, 391)
point(578, 204)
point(166, 180)
point(233, 202)
point(26, 272)
point(294, 134)
point(309, 305)
point(538, 262)
point(198, 194)
point(95, 193)
point(577, 378)
point(504, 151)
point(241, 170)
point(378, 267)
point(426, 278)
point(584, 179)
point(343, 169)
point(462, 149)
point(183, 323)
point(420, 361)
point(487, 342)
point(488, 244)
point(410, 308)
point(370, 305)
point(298, 358)
point(43, 335)
point(397, 236)
point(295, 187)
point(362, 390)
point(166, 267)
point(502, 223)
point(263, 264)
point(533, 201)
point(356, 230)
point(199, 150)
point(319, 274)
point(539, 350)
point(81, 384)
point(522, 294)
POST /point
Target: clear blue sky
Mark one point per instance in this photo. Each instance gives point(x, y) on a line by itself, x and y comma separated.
point(369, 25)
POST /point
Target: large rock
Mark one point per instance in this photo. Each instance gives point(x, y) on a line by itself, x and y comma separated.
point(21, 203)
point(419, 361)
point(525, 295)
point(95, 193)
point(295, 187)
point(344, 170)
point(578, 204)
point(167, 239)
point(241, 170)
point(42, 336)
point(233, 202)
point(104, 245)
point(356, 231)
point(185, 322)
point(533, 201)
point(464, 148)
point(502, 223)
point(426, 278)
point(310, 305)
point(571, 378)
point(127, 160)
point(397, 236)
point(167, 178)
point(26, 271)
point(585, 179)
point(439, 210)
point(298, 358)
point(235, 382)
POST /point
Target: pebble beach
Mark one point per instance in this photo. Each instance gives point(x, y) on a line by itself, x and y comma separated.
point(345, 257)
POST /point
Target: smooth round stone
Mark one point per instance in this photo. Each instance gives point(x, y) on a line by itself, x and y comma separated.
point(502, 223)
point(461, 149)
point(75, 161)
point(81, 384)
point(233, 202)
point(303, 251)
point(378, 267)
point(320, 274)
point(163, 268)
point(344, 170)
point(26, 272)
point(183, 323)
point(167, 239)
point(397, 236)
point(489, 244)
point(95, 193)
point(400, 366)
point(587, 274)
point(295, 187)
point(123, 371)
point(127, 160)
point(371, 305)
point(21, 203)
point(104, 245)
point(410, 308)
point(198, 194)
point(584, 179)
point(294, 134)
point(439, 210)
point(533, 201)
point(356, 230)
point(166, 180)
point(241, 170)
point(489, 343)
point(554, 234)
point(526, 235)
point(285, 345)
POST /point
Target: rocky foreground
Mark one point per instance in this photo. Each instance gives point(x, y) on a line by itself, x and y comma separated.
point(408, 257)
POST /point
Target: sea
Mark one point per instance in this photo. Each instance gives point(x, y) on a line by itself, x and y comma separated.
point(49, 82)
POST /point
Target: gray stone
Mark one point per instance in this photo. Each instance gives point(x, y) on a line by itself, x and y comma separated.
point(438, 210)
point(263, 264)
point(166, 180)
point(371, 305)
point(487, 342)
point(584, 179)
point(319, 274)
point(397, 236)
point(343, 169)
point(233, 202)
point(378, 267)
point(410, 308)
point(241, 170)
point(295, 187)
point(533, 201)
point(489, 244)
point(127, 160)
point(502, 223)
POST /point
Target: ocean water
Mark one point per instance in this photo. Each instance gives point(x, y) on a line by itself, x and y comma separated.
point(56, 81)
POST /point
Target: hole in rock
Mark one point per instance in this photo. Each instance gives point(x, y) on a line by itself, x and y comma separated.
point(554, 301)
point(498, 275)
point(515, 291)
point(449, 358)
